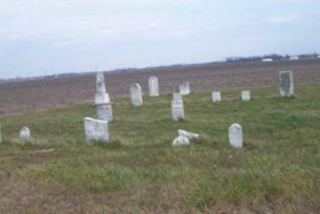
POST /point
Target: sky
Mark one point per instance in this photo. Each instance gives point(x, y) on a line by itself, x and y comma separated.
point(44, 37)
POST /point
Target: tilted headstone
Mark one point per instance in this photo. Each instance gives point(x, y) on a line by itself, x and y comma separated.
point(180, 141)
point(184, 88)
point(286, 85)
point(216, 96)
point(102, 99)
point(235, 136)
point(136, 94)
point(245, 95)
point(25, 134)
point(153, 84)
point(96, 130)
point(177, 107)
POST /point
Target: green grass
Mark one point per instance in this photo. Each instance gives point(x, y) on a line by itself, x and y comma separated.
point(138, 171)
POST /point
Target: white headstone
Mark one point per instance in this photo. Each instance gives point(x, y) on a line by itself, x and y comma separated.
point(153, 84)
point(184, 88)
point(102, 98)
point(104, 112)
point(25, 134)
point(216, 96)
point(189, 135)
point(286, 85)
point(180, 141)
point(176, 96)
point(235, 136)
point(177, 110)
point(136, 94)
point(96, 130)
point(245, 95)
point(101, 87)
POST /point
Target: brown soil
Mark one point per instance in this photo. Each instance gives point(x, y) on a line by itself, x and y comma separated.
point(17, 97)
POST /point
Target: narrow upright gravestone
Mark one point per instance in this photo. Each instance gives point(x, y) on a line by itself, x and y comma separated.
point(286, 85)
point(25, 134)
point(96, 130)
point(136, 94)
point(184, 88)
point(0, 134)
point(177, 107)
point(102, 100)
point(245, 95)
point(153, 84)
point(235, 136)
point(216, 96)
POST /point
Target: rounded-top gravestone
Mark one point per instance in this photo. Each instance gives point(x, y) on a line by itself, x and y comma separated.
point(236, 136)
point(153, 84)
point(136, 94)
point(25, 134)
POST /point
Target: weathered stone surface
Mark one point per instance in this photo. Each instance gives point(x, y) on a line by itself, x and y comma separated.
point(184, 88)
point(153, 84)
point(286, 84)
point(176, 96)
point(235, 136)
point(245, 95)
point(136, 94)
point(189, 135)
point(104, 112)
point(101, 87)
point(177, 110)
point(96, 130)
point(102, 98)
point(180, 141)
point(216, 96)
point(25, 134)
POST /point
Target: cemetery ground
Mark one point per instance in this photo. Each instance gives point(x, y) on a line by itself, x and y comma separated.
point(140, 172)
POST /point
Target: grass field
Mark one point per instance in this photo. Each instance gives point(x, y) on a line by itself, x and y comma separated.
point(139, 172)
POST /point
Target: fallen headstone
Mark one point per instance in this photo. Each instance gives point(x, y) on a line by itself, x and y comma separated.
point(180, 141)
point(190, 135)
point(286, 85)
point(236, 136)
point(96, 130)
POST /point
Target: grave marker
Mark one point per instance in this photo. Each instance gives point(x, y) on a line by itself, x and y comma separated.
point(136, 94)
point(153, 84)
point(286, 85)
point(216, 96)
point(235, 136)
point(96, 130)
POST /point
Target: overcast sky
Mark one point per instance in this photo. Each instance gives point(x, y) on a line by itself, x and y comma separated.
point(41, 37)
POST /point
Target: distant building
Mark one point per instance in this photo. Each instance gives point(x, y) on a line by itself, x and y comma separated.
point(294, 58)
point(267, 60)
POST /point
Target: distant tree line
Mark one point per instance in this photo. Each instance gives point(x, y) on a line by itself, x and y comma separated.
point(271, 57)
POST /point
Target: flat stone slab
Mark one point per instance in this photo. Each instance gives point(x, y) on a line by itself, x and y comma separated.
point(96, 130)
point(235, 136)
point(190, 135)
